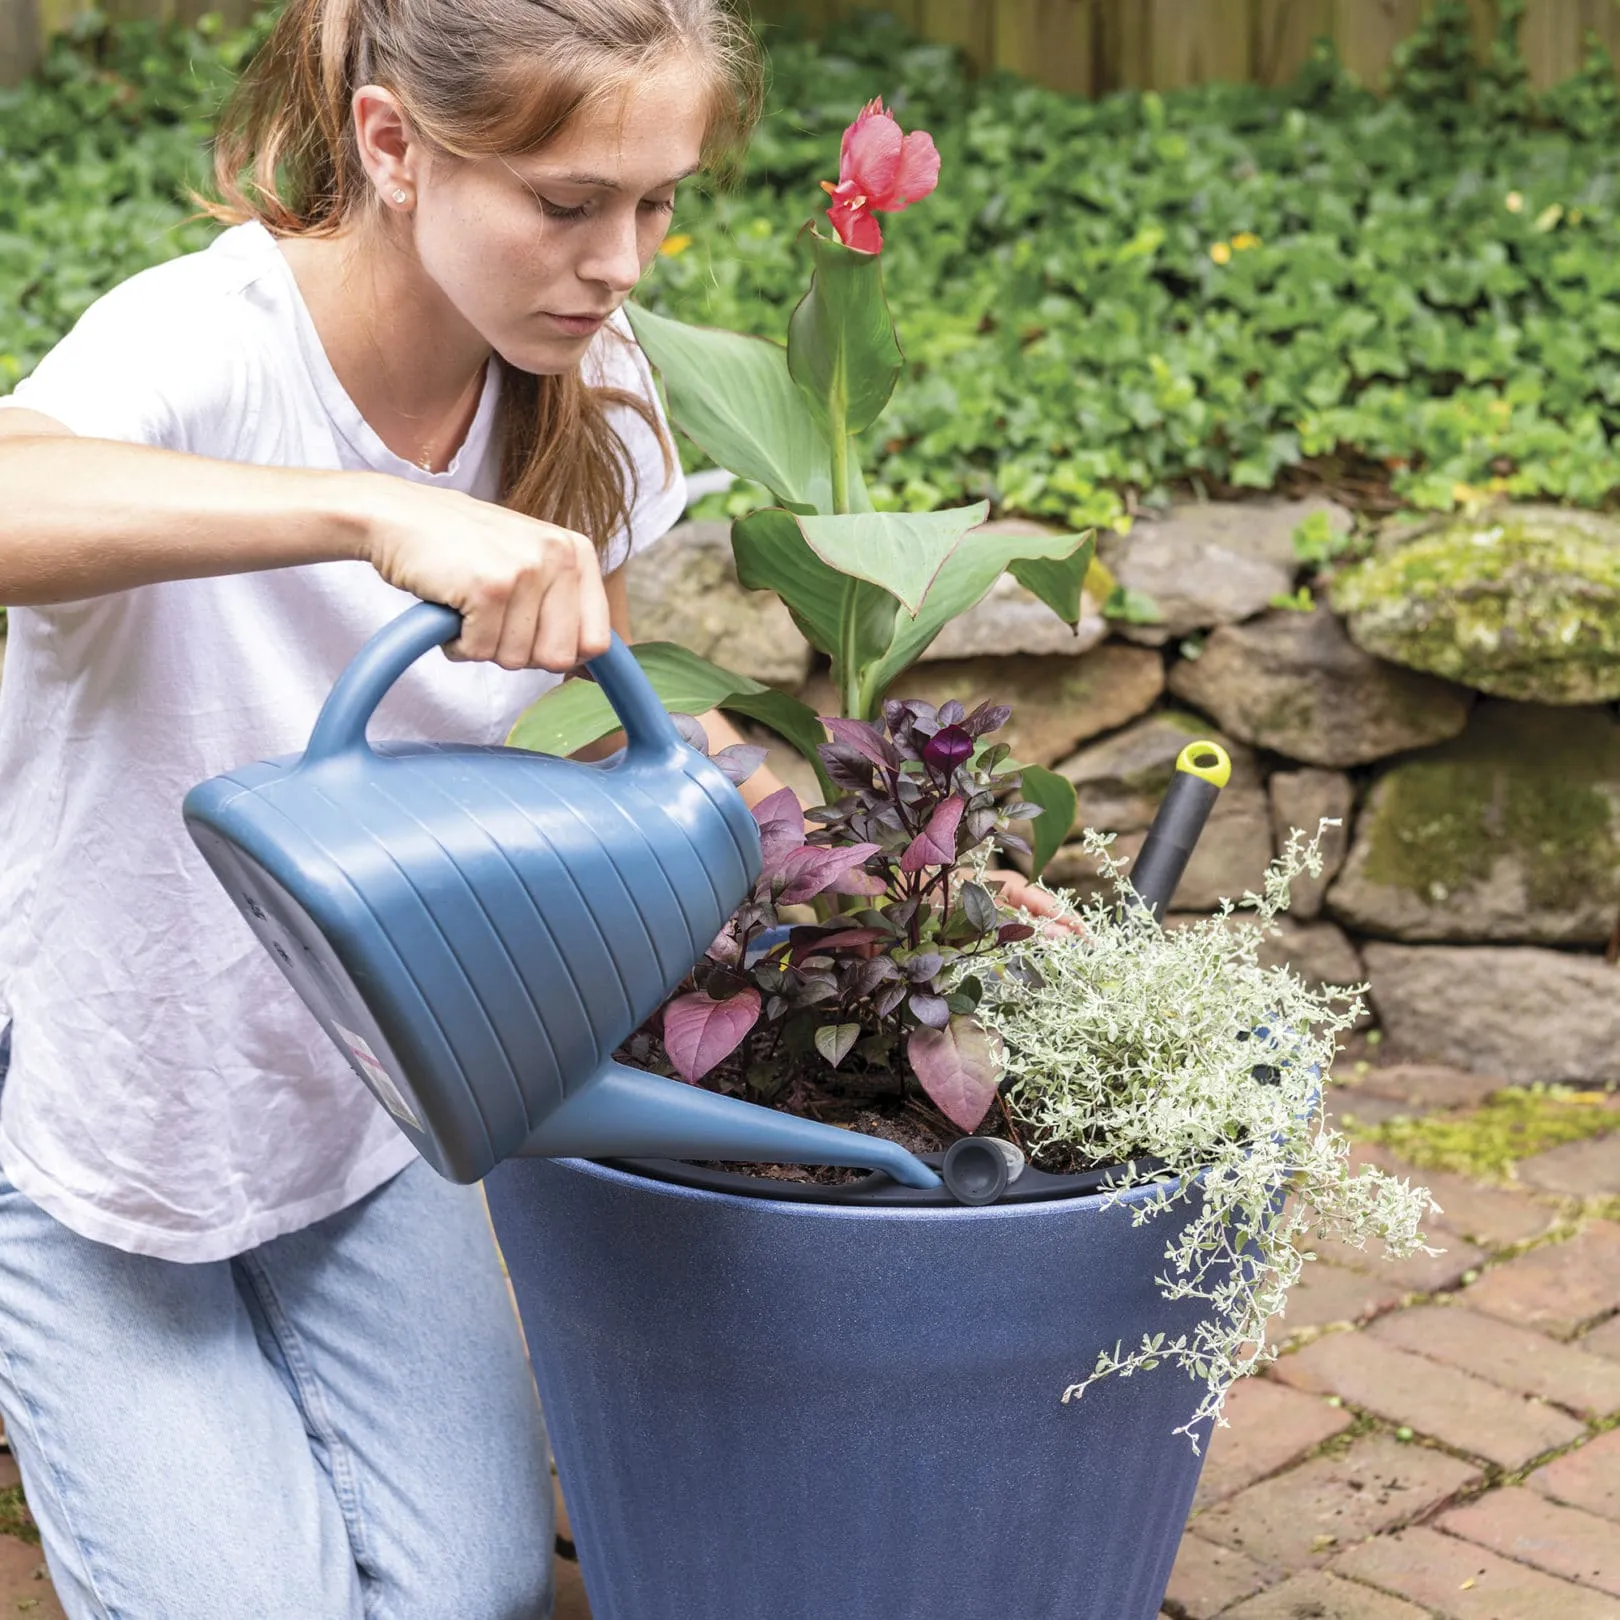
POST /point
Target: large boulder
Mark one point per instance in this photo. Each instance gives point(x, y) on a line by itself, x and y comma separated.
point(1523, 1013)
point(1057, 703)
point(1119, 783)
point(1301, 801)
point(1193, 584)
point(685, 590)
point(1509, 833)
point(1012, 620)
point(1522, 602)
point(1297, 684)
point(1209, 563)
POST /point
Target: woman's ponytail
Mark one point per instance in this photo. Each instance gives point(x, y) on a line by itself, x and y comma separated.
point(284, 152)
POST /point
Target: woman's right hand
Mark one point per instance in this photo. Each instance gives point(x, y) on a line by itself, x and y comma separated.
point(530, 594)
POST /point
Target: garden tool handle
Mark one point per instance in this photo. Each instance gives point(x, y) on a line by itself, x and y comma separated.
point(340, 727)
point(1202, 770)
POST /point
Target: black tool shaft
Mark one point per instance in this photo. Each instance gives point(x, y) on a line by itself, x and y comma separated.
point(1183, 811)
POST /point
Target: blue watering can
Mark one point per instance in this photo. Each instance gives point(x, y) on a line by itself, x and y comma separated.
point(479, 928)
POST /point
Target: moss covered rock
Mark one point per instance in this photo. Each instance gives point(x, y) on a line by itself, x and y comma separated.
point(1521, 602)
point(1509, 833)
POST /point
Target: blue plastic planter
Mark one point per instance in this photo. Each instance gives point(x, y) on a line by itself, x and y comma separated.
point(791, 1411)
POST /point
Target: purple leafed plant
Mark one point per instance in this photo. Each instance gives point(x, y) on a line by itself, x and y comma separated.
point(876, 996)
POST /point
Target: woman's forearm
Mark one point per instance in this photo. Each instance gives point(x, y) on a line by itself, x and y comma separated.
point(83, 517)
point(722, 734)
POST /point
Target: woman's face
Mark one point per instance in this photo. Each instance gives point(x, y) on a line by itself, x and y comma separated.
point(514, 243)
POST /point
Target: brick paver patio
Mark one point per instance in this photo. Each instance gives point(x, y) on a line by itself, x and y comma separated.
point(1438, 1439)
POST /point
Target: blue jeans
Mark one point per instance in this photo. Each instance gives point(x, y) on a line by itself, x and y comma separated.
point(337, 1425)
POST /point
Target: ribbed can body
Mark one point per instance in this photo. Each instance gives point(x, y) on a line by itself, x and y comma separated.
point(783, 1411)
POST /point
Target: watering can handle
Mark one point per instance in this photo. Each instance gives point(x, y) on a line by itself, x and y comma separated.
point(341, 726)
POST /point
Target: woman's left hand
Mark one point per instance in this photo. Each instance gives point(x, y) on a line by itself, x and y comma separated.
point(1015, 890)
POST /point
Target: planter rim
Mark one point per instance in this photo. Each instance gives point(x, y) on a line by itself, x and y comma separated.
point(801, 1209)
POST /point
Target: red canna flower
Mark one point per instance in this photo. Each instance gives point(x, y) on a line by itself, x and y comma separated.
point(880, 171)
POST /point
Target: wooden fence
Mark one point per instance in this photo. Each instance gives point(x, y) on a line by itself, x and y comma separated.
point(25, 25)
point(1088, 46)
point(1092, 46)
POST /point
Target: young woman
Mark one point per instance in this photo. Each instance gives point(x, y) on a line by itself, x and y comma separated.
point(256, 1360)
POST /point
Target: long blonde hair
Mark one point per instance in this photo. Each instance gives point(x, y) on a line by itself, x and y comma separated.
point(477, 77)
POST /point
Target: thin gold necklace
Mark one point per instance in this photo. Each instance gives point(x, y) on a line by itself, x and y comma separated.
point(425, 459)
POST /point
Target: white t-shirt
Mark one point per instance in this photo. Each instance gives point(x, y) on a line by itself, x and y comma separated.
point(168, 1093)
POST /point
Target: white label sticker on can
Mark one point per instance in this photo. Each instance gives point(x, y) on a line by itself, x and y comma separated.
point(381, 1081)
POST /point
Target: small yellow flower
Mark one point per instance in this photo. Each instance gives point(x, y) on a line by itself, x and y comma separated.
point(1464, 494)
point(673, 246)
point(1513, 202)
point(1221, 253)
point(1244, 240)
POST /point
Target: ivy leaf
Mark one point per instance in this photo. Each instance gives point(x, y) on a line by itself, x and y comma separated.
point(959, 1067)
point(834, 1041)
point(700, 1032)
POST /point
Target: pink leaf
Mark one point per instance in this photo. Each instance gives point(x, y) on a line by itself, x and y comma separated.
point(700, 1032)
point(810, 869)
point(781, 828)
point(959, 1067)
point(858, 882)
point(843, 939)
point(866, 740)
point(935, 845)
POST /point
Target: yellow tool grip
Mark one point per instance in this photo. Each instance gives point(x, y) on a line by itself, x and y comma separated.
point(1206, 759)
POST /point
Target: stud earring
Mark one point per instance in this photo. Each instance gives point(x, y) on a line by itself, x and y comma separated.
point(399, 196)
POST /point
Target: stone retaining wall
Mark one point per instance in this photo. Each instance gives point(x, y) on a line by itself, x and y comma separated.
point(1458, 717)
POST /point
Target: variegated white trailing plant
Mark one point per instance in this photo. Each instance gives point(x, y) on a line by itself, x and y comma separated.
point(1174, 1054)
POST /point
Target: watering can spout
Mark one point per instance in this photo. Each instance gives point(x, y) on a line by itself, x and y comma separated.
point(626, 1114)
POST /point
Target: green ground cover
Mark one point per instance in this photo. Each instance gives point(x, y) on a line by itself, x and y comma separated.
point(1407, 298)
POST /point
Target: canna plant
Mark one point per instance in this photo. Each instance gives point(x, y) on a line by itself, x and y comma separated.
point(869, 589)
point(883, 991)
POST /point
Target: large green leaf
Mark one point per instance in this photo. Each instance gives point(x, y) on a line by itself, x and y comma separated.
point(733, 397)
point(577, 713)
point(841, 348)
point(1056, 796)
point(1058, 581)
point(967, 575)
point(773, 555)
point(899, 552)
